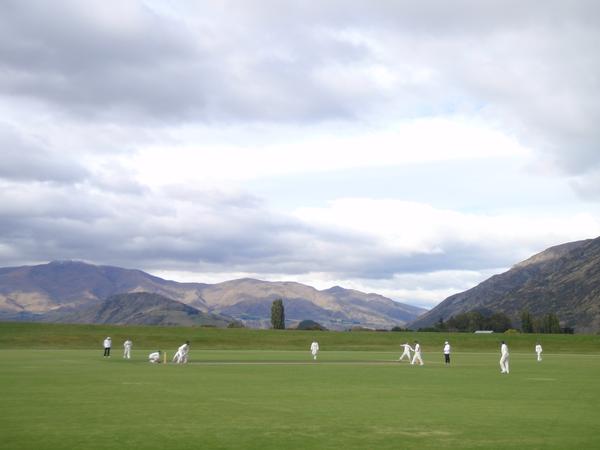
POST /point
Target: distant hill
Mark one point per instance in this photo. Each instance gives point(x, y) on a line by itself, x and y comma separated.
point(564, 280)
point(63, 286)
point(137, 308)
point(335, 308)
point(71, 283)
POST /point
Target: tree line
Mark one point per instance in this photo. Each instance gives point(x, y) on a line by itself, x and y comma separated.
point(499, 323)
point(548, 323)
point(470, 321)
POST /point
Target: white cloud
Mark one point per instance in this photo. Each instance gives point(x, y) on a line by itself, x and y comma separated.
point(410, 252)
point(298, 152)
point(416, 228)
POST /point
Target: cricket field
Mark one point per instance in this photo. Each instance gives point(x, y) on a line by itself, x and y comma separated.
point(253, 389)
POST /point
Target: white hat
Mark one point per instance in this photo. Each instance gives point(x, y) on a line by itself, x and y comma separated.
point(446, 342)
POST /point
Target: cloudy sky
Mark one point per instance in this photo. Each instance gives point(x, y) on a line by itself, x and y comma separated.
point(407, 148)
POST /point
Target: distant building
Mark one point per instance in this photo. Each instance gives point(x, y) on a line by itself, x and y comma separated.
point(484, 331)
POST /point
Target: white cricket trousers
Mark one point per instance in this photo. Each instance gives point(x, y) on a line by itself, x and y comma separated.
point(417, 357)
point(177, 357)
point(407, 354)
point(504, 364)
point(127, 353)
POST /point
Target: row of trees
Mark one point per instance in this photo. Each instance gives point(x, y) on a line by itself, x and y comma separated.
point(468, 322)
point(499, 322)
point(475, 320)
point(547, 323)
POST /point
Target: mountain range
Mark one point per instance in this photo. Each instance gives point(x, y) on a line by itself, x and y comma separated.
point(136, 308)
point(76, 291)
point(564, 280)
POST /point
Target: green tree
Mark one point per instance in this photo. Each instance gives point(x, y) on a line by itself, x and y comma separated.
point(278, 315)
point(476, 321)
point(538, 325)
point(551, 323)
point(499, 322)
point(526, 322)
point(555, 324)
point(440, 325)
point(460, 322)
point(310, 325)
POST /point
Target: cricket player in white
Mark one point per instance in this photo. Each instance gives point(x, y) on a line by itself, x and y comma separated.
point(538, 350)
point(417, 355)
point(181, 356)
point(504, 356)
point(447, 352)
point(314, 349)
point(107, 345)
point(127, 349)
point(154, 357)
point(406, 352)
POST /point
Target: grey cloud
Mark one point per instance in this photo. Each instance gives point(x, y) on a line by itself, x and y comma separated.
point(49, 222)
point(153, 68)
point(254, 49)
point(531, 70)
point(114, 178)
point(29, 159)
point(215, 198)
point(88, 59)
point(215, 232)
point(587, 185)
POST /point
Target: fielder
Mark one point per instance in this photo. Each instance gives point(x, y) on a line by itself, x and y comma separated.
point(417, 355)
point(181, 356)
point(406, 352)
point(504, 358)
point(314, 349)
point(538, 350)
point(447, 353)
point(107, 345)
point(127, 349)
point(154, 358)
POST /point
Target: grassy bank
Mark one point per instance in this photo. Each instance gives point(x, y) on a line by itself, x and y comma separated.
point(61, 336)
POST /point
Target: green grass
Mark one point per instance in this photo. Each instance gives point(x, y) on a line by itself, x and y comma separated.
point(57, 336)
point(241, 392)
